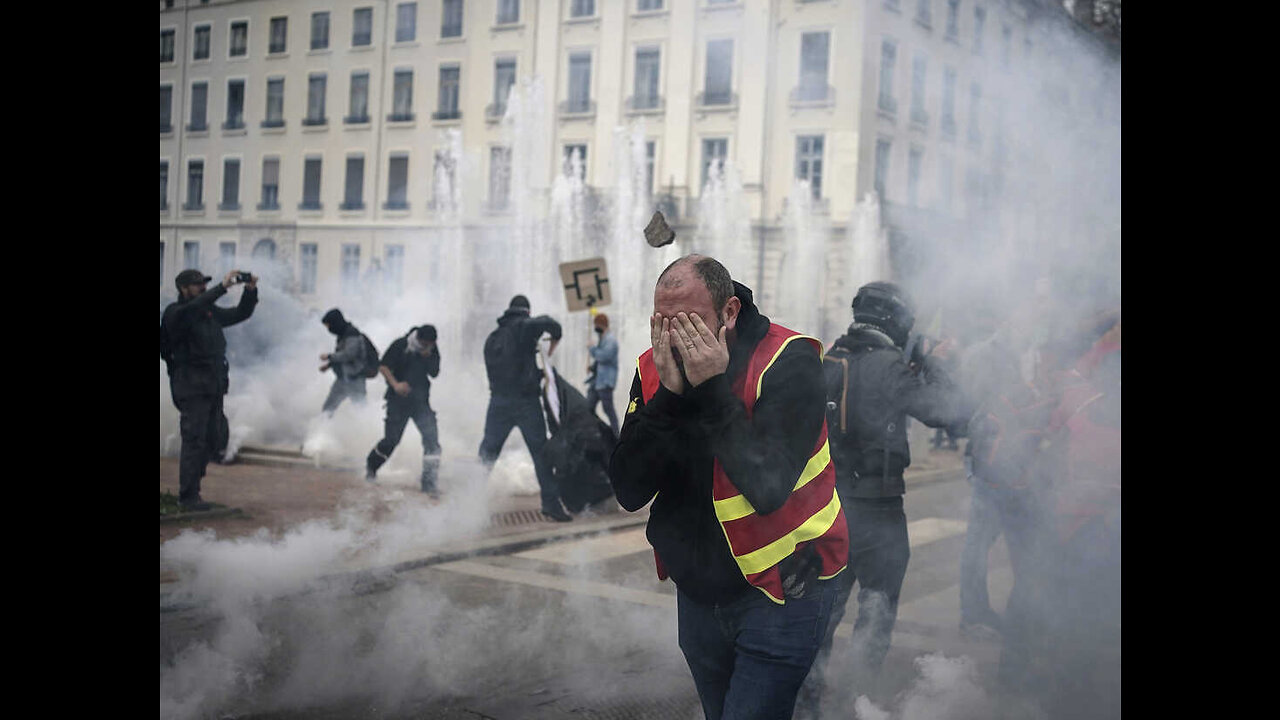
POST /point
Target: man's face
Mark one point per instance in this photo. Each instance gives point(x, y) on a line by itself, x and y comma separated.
point(193, 290)
point(427, 347)
point(690, 297)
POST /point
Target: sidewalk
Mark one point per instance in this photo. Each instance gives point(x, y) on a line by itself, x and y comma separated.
point(275, 499)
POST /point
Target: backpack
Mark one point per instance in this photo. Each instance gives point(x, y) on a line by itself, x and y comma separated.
point(371, 358)
point(835, 371)
point(502, 357)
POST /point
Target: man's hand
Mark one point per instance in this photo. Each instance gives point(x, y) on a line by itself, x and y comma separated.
point(253, 282)
point(324, 356)
point(230, 279)
point(704, 354)
point(324, 367)
point(401, 388)
point(668, 370)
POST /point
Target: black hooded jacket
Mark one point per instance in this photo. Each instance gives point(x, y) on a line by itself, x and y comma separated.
point(871, 452)
point(516, 372)
point(667, 448)
point(192, 342)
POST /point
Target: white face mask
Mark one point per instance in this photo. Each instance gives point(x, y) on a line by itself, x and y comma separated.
point(415, 345)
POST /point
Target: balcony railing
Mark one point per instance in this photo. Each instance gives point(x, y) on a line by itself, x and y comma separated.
point(400, 117)
point(233, 124)
point(451, 114)
point(717, 98)
point(310, 205)
point(451, 31)
point(578, 107)
point(352, 205)
point(646, 104)
point(919, 117)
point(165, 127)
point(813, 94)
point(888, 104)
point(495, 111)
point(395, 205)
point(273, 123)
point(229, 207)
point(356, 119)
point(197, 126)
point(315, 121)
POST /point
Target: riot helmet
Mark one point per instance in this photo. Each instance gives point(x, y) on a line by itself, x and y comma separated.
point(886, 306)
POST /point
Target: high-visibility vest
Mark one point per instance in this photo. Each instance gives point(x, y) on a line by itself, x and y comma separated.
point(811, 515)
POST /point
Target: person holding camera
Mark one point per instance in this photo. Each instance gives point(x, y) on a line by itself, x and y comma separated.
point(408, 366)
point(872, 387)
point(194, 348)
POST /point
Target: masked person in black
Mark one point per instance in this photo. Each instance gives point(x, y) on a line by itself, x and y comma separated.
point(871, 389)
point(408, 366)
point(347, 361)
point(514, 394)
point(195, 351)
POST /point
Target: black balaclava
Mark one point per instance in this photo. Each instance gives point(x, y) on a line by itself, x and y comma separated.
point(336, 322)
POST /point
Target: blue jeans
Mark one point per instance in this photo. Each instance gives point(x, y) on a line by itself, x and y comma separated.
point(750, 656)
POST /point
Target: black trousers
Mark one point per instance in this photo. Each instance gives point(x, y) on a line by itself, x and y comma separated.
point(878, 553)
point(202, 426)
point(507, 412)
point(399, 415)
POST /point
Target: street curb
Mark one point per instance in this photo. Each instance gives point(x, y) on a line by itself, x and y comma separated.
point(373, 579)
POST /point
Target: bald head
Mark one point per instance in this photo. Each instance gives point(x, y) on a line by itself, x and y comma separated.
point(701, 269)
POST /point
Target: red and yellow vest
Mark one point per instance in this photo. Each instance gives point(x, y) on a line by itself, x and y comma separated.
point(811, 515)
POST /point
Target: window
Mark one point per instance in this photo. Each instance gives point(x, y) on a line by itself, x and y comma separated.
point(279, 34)
point(648, 73)
point(359, 110)
point(164, 185)
point(451, 19)
point(350, 268)
point(924, 12)
point(579, 83)
point(814, 51)
point(575, 154)
point(447, 106)
point(319, 30)
point(888, 57)
point(275, 103)
point(650, 155)
point(809, 162)
point(949, 102)
point(353, 199)
point(199, 106)
point(316, 85)
point(191, 253)
point(714, 151)
point(362, 27)
point(398, 183)
point(918, 69)
point(230, 184)
point(508, 11)
point(1006, 42)
point(717, 83)
point(975, 99)
point(402, 104)
point(499, 177)
point(311, 184)
point(239, 38)
point(166, 45)
point(953, 19)
point(504, 76)
point(308, 263)
point(195, 185)
point(582, 8)
point(645, 5)
point(945, 172)
point(166, 108)
point(407, 22)
point(226, 258)
point(235, 105)
point(979, 20)
point(914, 160)
point(393, 267)
point(270, 184)
point(882, 166)
point(200, 48)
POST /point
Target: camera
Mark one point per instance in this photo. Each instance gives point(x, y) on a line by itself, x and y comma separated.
point(243, 277)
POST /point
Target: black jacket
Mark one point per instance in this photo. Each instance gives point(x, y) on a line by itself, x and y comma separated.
point(667, 447)
point(524, 379)
point(196, 347)
point(412, 368)
point(872, 452)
